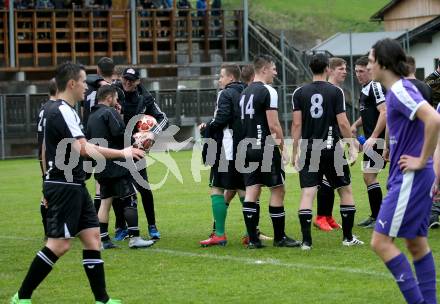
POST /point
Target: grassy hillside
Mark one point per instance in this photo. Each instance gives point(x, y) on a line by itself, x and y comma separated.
point(308, 21)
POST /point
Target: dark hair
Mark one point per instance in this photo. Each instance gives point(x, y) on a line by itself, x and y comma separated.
point(363, 61)
point(65, 72)
point(52, 87)
point(261, 61)
point(411, 62)
point(105, 91)
point(106, 66)
point(247, 73)
point(318, 63)
point(233, 70)
point(389, 54)
point(335, 62)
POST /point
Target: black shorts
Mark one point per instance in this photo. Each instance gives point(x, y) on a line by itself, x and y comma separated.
point(226, 178)
point(69, 209)
point(117, 187)
point(269, 171)
point(311, 174)
point(375, 162)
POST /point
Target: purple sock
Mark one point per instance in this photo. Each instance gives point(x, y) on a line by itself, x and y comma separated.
point(401, 270)
point(425, 271)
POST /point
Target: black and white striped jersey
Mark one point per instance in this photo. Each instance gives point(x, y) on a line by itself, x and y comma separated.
point(319, 103)
point(63, 127)
point(255, 100)
point(372, 95)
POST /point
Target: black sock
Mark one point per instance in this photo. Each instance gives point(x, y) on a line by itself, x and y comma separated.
point(325, 199)
point(39, 269)
point(305, 219)
point(118, 209)
point(103, 230)
point(131, 216)
point(43, 211)
point(278, 217)
point(375, 198)
point(347, 215)
point(97, 202)
point(250, 218)
point(148, 203)
point(258, 215)
point(94, 267)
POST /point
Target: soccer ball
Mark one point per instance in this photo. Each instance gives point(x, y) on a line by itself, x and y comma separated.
point(142, 141)
point(146, 123)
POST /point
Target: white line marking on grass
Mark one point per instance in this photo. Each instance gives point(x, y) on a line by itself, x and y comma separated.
point(271, 262)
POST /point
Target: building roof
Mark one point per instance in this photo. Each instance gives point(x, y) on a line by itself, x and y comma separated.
point(378, 16)
point(339, 44)
point(422, 33)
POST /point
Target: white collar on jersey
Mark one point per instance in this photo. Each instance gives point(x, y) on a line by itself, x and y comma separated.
point(366, 89)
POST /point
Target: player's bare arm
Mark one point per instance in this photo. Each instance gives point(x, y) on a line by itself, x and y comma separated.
point(380, 126)
point(356, 125)
point(296, 134)
point(431, 119)
point(275, 127)
point(344, 127)
point(96, 152)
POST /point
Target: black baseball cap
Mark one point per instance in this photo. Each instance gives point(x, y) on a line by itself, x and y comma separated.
point(131, 74)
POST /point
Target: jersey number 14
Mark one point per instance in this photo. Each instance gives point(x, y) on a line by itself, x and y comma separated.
point(249, 108)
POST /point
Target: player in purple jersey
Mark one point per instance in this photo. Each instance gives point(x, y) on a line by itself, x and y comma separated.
point(413, 127)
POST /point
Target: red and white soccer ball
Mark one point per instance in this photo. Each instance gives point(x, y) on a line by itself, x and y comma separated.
point(142, 140)
point(146, 123)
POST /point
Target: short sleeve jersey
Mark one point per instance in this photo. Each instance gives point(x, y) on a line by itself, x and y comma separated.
point(63, 123)
point(372, 95)
point(406, 132)
point(319, 103)
point(255, 100)
point(41, 124)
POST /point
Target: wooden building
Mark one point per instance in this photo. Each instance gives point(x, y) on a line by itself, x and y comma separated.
point(400, 15)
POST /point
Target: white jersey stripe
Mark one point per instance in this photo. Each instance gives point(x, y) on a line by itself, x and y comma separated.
point(402, 203)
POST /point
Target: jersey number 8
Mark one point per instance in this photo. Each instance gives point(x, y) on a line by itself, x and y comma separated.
point(316, 109)
point(249, 109)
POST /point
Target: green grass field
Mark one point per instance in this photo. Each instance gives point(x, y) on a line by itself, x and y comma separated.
point(310, 20)
point(176, 269)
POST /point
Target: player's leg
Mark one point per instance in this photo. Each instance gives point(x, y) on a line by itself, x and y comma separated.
point(103, 216)
point(348, 211)
point(434, 221)
point(41, 266)
point(305, 215)
point(278, 217)
point(89, 234)
point(148, 204)
point(250, 214)
point(325, 201)
point(121, 231)
point(219, 212)
point(424, 266)
point(43, 212)
point(374, 198)
point(397, 263)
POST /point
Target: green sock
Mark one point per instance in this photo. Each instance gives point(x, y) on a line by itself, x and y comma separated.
point(219, 210)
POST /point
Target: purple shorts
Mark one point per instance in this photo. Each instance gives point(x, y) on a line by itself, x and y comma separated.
point(406, 208)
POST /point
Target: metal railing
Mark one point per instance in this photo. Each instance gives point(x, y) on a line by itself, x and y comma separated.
point(184, 108)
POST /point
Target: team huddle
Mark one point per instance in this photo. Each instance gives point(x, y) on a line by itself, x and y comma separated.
point(244, 145)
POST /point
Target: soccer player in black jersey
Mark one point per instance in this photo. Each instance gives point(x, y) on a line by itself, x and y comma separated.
point(373, 121)
point(70, 209)
point(41, 124)
point(326, 194)
point(139, 100)
point(319, 121)
point(262, 148)
point(116, 182)
point(224, 129)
